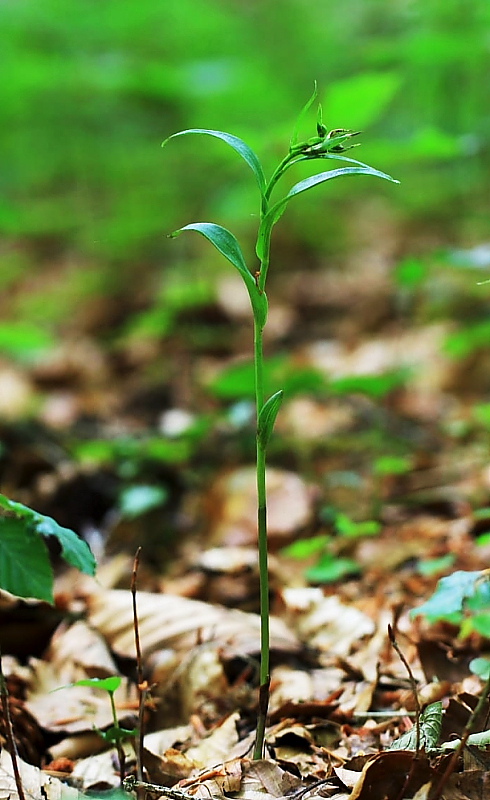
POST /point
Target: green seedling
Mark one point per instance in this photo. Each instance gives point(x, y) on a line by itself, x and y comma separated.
point(115, 735)
point(463, 599)
point(331, 567)
point(25, 568)
point(325, 146)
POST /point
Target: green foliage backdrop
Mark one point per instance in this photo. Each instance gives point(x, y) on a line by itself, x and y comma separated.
point(90, 89)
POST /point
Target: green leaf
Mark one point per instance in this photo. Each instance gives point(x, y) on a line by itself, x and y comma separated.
point(274, 213)
point(450, 595)
point(228, 246)
point(302, 114)
point(392, 465)
point(267, 418)
point(351, 529)
point(237, 144)
point(106, 684)
point(137, 500)
point(304, 548)
point(25, 569)
point(114, 735)
point(481, 667)
point(73, 549)
point(430, 729)
point(481, 624)
point(432, 566)
point(330, 568)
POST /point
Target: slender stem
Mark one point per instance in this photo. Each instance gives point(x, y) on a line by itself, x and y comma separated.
point(142, 685)
point(9, 731)
point(263, 556)
point(119, 746)
point(285, 163)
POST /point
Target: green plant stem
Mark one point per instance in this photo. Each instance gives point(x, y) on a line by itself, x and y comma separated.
point(282, 167)
point(262, 547)
point(119, 746)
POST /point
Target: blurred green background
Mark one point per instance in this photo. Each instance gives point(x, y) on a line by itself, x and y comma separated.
point(90, 89)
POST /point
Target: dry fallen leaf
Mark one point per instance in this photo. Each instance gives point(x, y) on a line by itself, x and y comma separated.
point(37, 785)
point(233, 506)
point(180, 623)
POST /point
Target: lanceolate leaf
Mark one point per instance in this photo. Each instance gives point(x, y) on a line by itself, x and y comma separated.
point(238, 145)
point(267, 417)
point(308, 183)
point(302, 114)
point(226, 243)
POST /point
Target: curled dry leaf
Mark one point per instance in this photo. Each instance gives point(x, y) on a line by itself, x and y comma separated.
point(325, 622)
point(180, 623)
point(385, 776)
point(233, 506)
point(59, 707)
point(78, 652)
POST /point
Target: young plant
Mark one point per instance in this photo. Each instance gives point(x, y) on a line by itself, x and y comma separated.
point(326, 146)
point(115, 735)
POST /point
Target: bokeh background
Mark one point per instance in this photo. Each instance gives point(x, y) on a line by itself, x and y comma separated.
point(125, 393)
point(89, 91)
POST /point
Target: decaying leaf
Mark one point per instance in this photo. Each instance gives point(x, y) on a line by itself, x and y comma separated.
point(180, 623)
point(37, 784)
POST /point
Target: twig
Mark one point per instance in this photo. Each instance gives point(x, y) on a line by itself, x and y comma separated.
point(413, 684)
point(464, 738)
point(10, 732)
point(130, 784)
point(142, 685)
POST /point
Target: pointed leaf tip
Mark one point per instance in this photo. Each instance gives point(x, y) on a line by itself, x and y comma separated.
point(267, 417)
point(240, 147)
point(226, 244)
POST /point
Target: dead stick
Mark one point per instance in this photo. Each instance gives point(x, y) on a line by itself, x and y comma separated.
point(10, 732)
point(413, 684)
point(130, 784)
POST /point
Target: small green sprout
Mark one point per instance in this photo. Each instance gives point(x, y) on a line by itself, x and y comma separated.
point(115, 735)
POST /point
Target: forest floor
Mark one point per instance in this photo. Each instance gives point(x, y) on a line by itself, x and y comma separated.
point(379, 485)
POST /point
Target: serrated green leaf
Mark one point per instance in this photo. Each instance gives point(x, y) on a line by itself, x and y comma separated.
point(430, 730)
point(25, 569)
point(227, 244)
point(450, 595)
point(267, 418)
point(237, 144)
point(274, 214)
point(73, 549)
point(106, 684)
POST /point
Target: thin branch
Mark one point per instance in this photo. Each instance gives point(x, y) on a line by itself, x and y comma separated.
point(142, 685)
point(413, 684)
point(12, 747)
